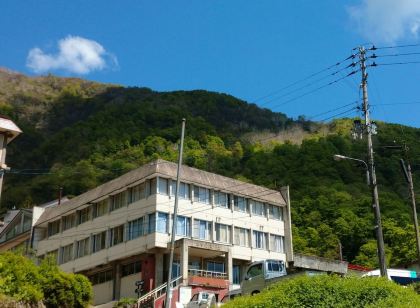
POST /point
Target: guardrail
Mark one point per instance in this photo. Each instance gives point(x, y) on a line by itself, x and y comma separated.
point(157, 292)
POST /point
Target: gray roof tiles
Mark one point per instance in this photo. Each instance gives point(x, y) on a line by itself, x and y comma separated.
point(165, 169)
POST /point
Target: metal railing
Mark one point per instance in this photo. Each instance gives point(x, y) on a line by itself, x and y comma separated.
point(157, 292)
point(209, 274)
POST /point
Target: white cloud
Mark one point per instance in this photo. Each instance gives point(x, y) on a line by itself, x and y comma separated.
point(386, 20)
point(75, 55)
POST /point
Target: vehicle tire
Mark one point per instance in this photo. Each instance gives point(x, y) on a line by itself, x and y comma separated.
point(255, 292)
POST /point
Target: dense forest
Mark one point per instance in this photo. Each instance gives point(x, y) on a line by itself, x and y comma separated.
point(79, 134)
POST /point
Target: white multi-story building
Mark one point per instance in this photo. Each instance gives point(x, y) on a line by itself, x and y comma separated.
point(119, 232)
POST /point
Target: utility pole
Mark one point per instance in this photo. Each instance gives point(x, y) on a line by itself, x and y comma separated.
point(168, 298)
point(375, 199)
point(409, 178)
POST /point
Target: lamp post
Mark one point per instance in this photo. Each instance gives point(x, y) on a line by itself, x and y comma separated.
point(342, 157)
point(376, 212)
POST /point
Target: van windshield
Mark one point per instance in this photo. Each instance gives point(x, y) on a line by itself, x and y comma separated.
point(255, 270)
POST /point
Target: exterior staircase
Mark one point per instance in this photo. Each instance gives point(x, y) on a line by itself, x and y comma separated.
point(148, 299)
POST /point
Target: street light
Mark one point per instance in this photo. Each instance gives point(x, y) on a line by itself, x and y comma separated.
point(376, 211)
point(342, 157)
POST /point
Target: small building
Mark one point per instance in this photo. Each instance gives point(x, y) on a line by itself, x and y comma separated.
point(16, 226)
point(16, 230)
point(119, 233)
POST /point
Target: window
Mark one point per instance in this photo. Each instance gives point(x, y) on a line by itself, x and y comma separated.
point(69, 221)
point(132, 268)
point(221, 199)
point(201, 194)
point(99, 241)
point(138, 192)
point(118, 201)
point(84, 215)
point(241, 237)
point(151, 187)
point(259, 240)
point(101, 277)
point(184, 190)
point(255, 270)
point(162, 186)
point(223, 233)
point(236, 274)
point(136, 228)
point(277, 243)
point(53, 227)
point(202, 229)
point(117, 235)
point(215, 267)
point(158, 222)
point(27, 223)
point(67, 253)
point(258, 208)
point(276, 212)
point(183, 226)
point(240, 204)
point(82, 248)
point(275, 266)
point(100, 208)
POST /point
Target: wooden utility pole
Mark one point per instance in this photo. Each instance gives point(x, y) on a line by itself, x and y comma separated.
point(409, 178)
point(374, 187)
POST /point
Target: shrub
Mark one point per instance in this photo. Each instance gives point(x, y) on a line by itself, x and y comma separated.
point(331, 291)
point(22, 281)
point(125, 302)
point(19, 277)
point(62, 289)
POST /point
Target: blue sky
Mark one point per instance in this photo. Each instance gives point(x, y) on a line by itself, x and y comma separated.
point(248, 49)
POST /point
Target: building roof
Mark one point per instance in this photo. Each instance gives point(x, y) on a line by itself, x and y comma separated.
point(10, 216)
point(164, 169)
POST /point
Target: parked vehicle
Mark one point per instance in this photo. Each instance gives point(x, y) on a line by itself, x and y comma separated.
point(400, 276)
point(202, 300)
point(261, 274)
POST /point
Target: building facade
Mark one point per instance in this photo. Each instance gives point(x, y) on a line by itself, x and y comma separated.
point(119, 232)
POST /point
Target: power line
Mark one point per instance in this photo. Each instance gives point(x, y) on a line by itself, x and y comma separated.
point(316, 89)
point(374, 64)
point(391, 47)
point(353, 64)
point(331, 110)
point(341, 113)
point(374, 56)
point(304, 79)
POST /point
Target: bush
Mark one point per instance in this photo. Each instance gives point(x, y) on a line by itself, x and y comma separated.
point(19, 277)
point(62, 289)
point(125, 302)
point(331, 291)
point(21, 280)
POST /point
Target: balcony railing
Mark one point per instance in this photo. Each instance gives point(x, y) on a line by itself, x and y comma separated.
point(208, 274)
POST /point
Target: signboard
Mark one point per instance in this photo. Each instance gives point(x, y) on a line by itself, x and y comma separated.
point(185, 295)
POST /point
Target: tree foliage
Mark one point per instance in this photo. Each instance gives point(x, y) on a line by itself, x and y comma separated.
point(23, 281)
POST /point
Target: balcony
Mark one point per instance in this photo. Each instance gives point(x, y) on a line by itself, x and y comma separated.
point(208, 279)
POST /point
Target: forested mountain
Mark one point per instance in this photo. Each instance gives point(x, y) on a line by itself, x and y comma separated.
point(79, 134)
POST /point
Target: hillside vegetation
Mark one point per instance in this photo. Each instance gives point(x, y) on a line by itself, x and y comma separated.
point(331, 291)
point(87, 133)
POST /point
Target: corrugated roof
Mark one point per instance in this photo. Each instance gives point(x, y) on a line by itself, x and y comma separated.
point(166, 169)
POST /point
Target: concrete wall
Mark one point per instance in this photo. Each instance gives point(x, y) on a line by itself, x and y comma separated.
point(102, 293)
point(128, 286)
